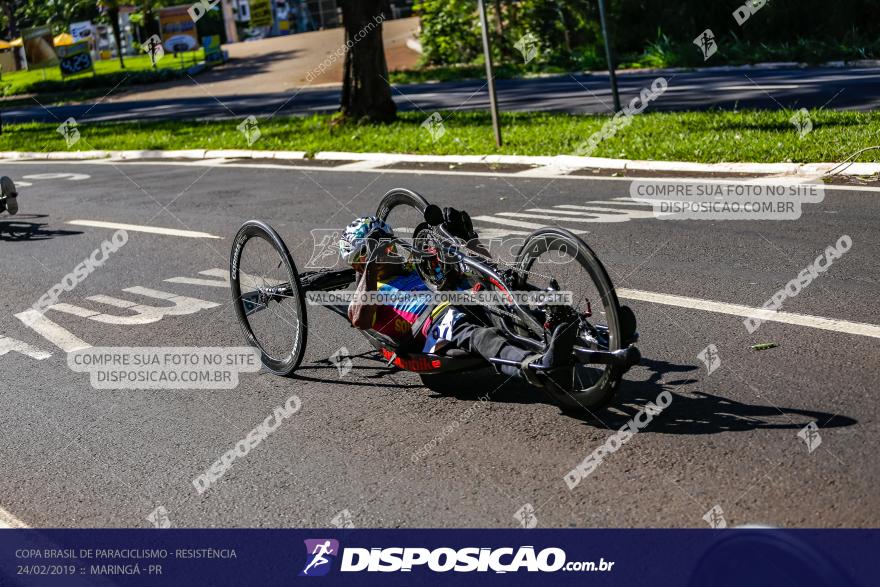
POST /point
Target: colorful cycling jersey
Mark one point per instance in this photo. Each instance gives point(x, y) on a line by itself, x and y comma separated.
point(396, 318)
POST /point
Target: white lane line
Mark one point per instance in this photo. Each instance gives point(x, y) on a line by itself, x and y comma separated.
point(389, 170)
point(844, 326)
point(367, 165)
point(517, 223)
point(765, 88)
point(7, 520)
point(139, 228)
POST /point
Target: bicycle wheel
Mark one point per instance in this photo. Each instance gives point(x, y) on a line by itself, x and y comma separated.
point(268, 297)
point(550, 254)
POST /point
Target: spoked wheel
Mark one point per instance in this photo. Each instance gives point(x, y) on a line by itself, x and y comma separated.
point(268, 297)
point(554, 258)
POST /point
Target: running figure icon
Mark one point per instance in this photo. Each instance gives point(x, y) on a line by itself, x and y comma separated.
point(319, 558)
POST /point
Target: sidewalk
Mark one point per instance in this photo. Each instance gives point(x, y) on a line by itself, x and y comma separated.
point(522, 166)
point(279, 64)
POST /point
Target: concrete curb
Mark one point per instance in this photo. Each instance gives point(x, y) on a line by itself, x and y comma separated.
point(559, 165)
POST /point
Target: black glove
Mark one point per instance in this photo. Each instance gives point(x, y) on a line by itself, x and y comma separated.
point(459, 224)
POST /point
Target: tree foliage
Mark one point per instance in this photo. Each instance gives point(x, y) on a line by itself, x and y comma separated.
point(652, 32)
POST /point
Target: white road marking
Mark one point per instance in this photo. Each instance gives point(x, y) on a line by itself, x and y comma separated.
point(517, 223)
point(832, 324)
point(765, 88)
point(8, 345)
point(388, 170)
point(7, 520)
point(57, 335)
point(367, 165)
point(68, 176)
point(139, 228)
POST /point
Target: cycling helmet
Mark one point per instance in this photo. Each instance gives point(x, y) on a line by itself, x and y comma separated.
point(355, 237)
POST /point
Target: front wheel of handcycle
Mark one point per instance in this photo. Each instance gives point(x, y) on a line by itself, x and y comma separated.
point(268, 297)
point(557, 259)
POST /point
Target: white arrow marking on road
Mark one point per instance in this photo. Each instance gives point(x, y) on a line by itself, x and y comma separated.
point(8, 345)
point(509, 222)
point(819, 322)
point(143, 314)
point(7, 520)
point(70, 176)
point(57, 335)
point(138, 228)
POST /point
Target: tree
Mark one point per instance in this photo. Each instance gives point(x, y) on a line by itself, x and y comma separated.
point(111, 7)
point(8, 8)
point(366, 93)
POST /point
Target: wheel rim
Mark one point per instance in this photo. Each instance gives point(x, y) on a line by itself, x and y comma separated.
point(575, 268)
point(267, 299)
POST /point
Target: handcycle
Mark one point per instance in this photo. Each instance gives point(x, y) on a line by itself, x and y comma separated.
point(269, 297)
point(8, 196)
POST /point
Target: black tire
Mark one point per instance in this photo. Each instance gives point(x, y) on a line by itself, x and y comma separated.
point(280, 354)
point(592, 386)
point(400, 197)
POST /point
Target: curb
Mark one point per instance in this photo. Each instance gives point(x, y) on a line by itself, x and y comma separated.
point(558, 165)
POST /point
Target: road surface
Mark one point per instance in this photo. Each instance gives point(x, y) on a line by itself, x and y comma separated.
point(845, 89)
point(375, 447)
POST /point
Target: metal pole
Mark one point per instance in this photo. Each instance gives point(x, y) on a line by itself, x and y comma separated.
point(611, 73)
point(490, 74)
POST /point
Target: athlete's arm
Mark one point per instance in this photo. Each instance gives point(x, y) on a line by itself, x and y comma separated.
point(362, 315)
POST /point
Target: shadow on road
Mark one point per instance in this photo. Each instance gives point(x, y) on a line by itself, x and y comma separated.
point(19, 229)
point(694, 412)
point(327, 372)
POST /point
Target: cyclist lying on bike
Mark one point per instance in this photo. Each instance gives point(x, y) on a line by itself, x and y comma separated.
point(435, 329)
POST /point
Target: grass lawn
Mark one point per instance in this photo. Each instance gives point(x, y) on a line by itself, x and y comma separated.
point(708, 137)
point(107, 74)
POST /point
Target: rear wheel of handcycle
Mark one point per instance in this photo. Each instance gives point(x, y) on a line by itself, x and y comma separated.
point(268, 297)
point(558, 254)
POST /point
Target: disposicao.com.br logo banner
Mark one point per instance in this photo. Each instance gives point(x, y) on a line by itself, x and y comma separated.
point(321, 553)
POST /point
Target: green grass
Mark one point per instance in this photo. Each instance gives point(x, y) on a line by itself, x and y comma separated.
point(708, 137)
point(108, 74)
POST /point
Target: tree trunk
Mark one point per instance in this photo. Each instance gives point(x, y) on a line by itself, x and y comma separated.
point(117, 34)
point(10, 19)
point(366, 93)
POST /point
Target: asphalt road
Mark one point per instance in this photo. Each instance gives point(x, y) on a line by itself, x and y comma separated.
point(846, 89)
point(73, 455)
